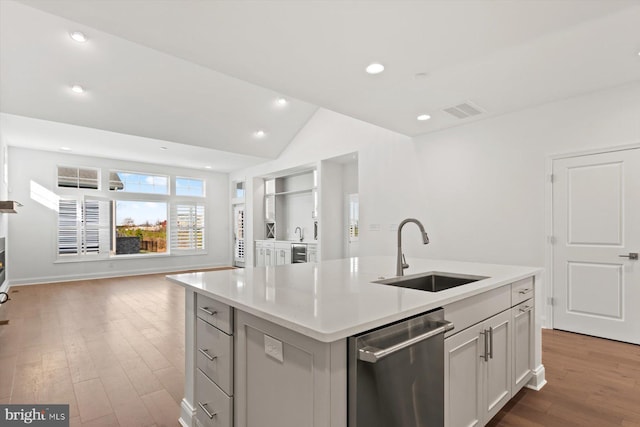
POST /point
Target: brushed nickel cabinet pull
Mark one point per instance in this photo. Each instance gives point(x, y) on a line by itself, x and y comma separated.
point(209, 312)
point(203, 406)
point(206, 354)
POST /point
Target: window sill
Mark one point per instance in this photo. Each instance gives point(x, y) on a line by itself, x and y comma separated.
point(129, 256)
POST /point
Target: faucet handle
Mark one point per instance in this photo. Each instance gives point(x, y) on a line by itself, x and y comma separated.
point(404, 263)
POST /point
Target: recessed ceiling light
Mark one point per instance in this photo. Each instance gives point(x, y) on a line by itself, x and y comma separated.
point(282, 101)
point(259, 133)
point(77, 88)
point(375, 68)
point(78, 36)
point(65, 149)
point(207, 167)
point(423, 117)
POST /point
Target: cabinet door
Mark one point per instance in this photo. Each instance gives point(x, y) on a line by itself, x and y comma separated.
point(270, 208)
point(498, 364)
point(283, 256)
point(260, 257)
point(523, 327)
point(269, 257)
point(463, 378)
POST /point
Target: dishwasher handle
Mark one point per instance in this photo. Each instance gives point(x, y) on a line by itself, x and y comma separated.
point(374, 354)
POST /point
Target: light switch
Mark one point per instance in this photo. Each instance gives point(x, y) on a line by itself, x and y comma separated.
point(273, 348)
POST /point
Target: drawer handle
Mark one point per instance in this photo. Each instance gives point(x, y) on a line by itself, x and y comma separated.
point(206, 354)
point(204, 408)
point(209, 312)
point(526, 308)
point(525, 291)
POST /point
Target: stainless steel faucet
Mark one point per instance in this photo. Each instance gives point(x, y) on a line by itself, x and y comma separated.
point(298, 229)
point(401, 263)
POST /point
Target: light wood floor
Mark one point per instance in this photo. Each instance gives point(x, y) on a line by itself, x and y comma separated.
point(113, 349)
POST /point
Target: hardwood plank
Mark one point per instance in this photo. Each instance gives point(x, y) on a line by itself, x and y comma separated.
point(92, 400)
point(100, 345)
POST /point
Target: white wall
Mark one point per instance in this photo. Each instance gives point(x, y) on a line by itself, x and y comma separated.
point(479, 189)
point(34, 228)
point(4, 218)
point(485, 183)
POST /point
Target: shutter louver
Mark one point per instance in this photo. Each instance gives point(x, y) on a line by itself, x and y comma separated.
point(187, 231)
point(68, 227)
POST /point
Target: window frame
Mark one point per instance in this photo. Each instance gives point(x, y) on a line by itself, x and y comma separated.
point(106, 232)
point(202, 180)
point(98, 179)
point(111, 190)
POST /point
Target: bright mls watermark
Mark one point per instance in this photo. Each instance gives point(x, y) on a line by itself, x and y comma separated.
point(35, 415)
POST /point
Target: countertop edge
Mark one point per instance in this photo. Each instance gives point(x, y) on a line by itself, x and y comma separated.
point(447, 297)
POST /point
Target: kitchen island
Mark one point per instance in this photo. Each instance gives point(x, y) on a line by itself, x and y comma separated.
point(276, 337)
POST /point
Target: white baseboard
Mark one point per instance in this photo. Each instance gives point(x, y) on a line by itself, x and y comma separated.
point(186, 414)
point(538, 379)
point(107, 275)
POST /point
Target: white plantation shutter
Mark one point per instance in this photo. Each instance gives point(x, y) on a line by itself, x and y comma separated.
point(68, 227)
point(96, 227)
point(187, 227)
point(83, 227)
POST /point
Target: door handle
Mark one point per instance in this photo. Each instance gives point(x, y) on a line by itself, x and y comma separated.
point(632, 255)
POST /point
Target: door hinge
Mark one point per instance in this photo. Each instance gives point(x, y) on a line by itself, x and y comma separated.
point(551, 239)
point(551, 301)
point(551, 177)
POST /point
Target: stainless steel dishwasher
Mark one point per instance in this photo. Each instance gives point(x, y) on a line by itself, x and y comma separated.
point(396, 374)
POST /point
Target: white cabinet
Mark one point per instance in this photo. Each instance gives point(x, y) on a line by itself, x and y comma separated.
point(478, 372)
point(283, 253)
point(265, 253)
point(312, 252)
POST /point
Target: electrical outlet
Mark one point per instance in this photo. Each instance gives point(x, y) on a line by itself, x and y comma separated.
point(273, 348)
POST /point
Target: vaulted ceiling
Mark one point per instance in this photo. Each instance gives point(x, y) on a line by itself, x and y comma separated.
point(201, 77)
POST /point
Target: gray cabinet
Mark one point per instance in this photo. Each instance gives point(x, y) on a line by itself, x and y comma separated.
point(489, 356)
point(285, 379)
point(523, 319)
point(214, 363)
point(478, 372)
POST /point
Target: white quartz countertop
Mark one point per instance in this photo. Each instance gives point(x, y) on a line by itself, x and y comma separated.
point(335, 299)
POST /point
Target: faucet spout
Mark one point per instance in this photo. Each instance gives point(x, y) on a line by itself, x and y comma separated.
point(300, 230)
point(401, 263)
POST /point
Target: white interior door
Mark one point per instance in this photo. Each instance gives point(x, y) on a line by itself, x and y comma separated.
point(596, 221)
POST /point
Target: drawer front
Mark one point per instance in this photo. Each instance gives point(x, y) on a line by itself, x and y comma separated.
point(475, 309)
point(214, 355)
point(218, 314)
point(521, 290)
point(213, 407)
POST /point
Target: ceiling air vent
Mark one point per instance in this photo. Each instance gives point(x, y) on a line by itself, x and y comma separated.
point(464, 110)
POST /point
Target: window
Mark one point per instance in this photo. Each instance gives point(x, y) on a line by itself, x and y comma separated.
point(144, 220)
point(187, 227)
point(354, 216)
point(131, 182)
point(239, 190)
point(83, 227)
point(189, 187)
point(75, 177)
point(140, 227)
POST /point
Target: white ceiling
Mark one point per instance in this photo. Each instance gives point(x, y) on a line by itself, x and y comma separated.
point(207, 73)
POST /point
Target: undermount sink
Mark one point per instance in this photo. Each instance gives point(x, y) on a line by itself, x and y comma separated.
point(431, 282)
